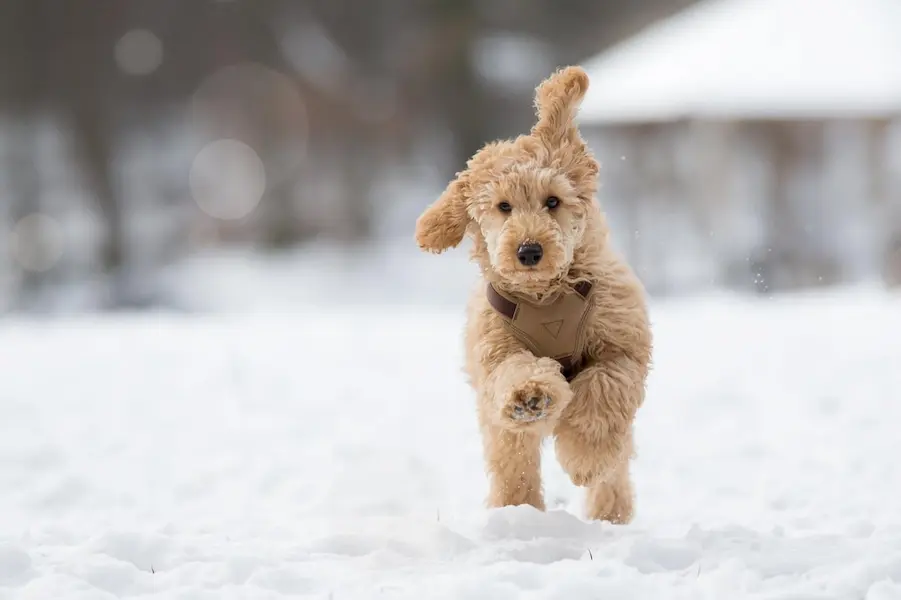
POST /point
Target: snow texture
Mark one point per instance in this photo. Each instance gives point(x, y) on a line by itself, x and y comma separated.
point(754, 59)
point(230, 456)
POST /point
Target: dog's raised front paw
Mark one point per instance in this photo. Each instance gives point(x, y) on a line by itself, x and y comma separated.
point(528, 404)
point(537, 400)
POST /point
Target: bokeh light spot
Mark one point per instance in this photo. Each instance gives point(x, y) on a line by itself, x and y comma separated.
point(139, 52)
point(37, 242)
point(259, 106)
point(227, 179)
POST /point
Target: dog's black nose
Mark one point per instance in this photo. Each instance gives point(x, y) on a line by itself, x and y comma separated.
point(529, 254)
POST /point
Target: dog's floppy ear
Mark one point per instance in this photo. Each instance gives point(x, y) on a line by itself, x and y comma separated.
point(557, 100)
point(443, 224)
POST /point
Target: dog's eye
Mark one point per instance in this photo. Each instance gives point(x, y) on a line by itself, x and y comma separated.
point(552, 202)
point(505, 207)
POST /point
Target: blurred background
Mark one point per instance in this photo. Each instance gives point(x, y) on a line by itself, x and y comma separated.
point(201, 155)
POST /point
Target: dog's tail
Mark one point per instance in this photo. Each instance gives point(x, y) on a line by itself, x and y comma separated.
point(557, 101)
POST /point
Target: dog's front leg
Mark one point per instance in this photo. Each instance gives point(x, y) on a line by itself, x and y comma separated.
point(522, 400)
point(594, 435)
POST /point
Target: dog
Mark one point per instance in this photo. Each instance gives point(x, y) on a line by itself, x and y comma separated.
point(558, 339)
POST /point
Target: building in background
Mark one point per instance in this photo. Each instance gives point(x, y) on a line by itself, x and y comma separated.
point(754, 144)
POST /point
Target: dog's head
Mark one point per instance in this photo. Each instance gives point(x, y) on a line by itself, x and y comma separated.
point(526, 202)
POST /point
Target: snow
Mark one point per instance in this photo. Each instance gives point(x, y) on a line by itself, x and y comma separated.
point(754, 59)
point(332, 452)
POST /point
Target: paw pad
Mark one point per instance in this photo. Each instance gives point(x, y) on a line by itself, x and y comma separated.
point(530, 408)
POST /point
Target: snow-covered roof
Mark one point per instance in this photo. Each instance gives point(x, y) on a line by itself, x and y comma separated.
point(746, 59)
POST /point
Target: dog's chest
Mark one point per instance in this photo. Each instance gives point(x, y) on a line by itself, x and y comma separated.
point(555, 330)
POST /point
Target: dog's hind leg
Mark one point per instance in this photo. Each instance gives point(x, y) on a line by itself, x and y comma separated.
point(513, 462)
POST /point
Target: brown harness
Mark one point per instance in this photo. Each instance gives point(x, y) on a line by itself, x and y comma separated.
point(553, 330)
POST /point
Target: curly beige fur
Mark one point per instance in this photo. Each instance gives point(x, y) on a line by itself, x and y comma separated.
point(590, 417)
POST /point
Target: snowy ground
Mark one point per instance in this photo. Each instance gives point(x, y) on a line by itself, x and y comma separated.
point(245, 457)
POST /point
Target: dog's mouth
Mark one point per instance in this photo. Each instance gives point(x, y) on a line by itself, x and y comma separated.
point(517, 273)
point(535, 284)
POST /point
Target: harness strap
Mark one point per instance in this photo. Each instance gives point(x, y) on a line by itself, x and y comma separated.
point(507, 307)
